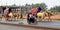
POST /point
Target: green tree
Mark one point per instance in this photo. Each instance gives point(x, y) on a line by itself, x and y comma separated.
point(56, 8)
point(42, 5)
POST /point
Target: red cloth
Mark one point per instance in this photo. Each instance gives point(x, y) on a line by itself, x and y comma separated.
point(6, 13)
point(33, 10)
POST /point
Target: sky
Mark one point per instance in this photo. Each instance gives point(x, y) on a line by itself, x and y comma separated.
point(49, 3)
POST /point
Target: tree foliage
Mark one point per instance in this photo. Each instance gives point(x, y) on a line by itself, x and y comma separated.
point(56, 8)
point(42, 5)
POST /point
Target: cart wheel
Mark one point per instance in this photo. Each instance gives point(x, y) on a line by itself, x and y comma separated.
point(28, 22)
point(36, 22)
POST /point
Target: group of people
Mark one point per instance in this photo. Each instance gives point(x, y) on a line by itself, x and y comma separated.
point(37, 14)
point(34, 14)
point(8, 13)
point(31, 17)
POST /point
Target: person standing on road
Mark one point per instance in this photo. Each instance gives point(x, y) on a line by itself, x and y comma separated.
point(6, 12)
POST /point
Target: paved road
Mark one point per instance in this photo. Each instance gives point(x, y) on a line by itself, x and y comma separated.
point(55, 24)
point(6, 27)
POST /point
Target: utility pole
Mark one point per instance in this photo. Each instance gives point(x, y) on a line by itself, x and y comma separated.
point(21, 12)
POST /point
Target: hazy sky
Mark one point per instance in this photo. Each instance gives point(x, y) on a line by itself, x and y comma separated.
point(49, 3)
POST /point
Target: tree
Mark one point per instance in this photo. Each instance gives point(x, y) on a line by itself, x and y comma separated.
point(42, 5)
point(56, 8)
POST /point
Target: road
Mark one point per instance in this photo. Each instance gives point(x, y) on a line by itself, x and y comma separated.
point(54, 24)
point(7, 27)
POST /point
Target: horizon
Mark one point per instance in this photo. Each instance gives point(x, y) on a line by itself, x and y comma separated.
point(49, 3)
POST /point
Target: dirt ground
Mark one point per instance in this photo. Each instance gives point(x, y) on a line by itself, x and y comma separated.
point(54, 17)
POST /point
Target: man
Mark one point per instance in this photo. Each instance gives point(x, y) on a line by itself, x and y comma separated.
point(31, 18)
point(6, 12)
